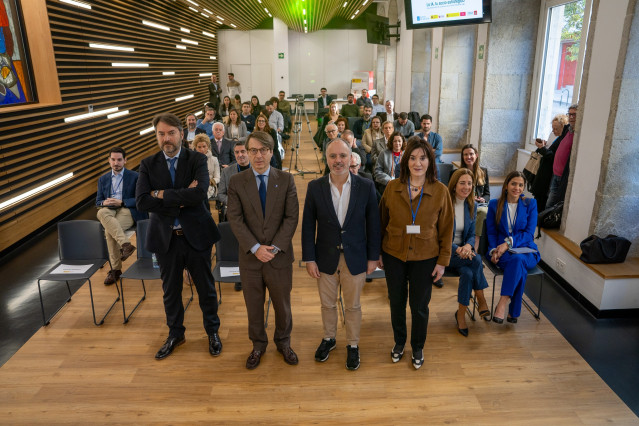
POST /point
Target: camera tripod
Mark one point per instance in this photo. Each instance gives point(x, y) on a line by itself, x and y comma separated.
point(295, 144)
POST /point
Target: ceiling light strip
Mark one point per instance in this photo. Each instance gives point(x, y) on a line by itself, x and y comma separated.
point(31, 193)
point(158, 26)
point(90, 115)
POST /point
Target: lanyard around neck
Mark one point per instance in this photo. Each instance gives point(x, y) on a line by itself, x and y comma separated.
point(511, 223)
point(410, 202)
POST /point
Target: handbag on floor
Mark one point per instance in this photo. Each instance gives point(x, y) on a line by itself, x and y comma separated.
point(612, 249)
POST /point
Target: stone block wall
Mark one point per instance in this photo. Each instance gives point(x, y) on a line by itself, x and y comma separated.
point(510, 54)
point(617, 198)
point(456, 82)
point(420, 71)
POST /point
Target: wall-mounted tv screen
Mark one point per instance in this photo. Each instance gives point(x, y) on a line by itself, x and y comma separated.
point(377, 30)
point(440, 13)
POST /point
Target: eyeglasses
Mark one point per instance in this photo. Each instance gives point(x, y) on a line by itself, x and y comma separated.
point(264, 150)
point(572, 114)
point(355, 167)
point(331, 131)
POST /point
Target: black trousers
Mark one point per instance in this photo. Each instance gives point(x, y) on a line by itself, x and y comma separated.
point(172, 263)
point(410, 280)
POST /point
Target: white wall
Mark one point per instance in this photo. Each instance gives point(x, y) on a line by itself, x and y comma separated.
point(328, 59)
point(250, 55)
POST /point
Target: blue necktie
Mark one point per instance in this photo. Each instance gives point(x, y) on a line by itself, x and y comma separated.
point(172, 173)
point(262, 191)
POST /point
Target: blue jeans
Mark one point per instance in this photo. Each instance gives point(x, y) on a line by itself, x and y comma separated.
point(471, 276)
point(555, 194)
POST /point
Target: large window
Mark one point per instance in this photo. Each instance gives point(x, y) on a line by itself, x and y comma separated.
point(559, 73)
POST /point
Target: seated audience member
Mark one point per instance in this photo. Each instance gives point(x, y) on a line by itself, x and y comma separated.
point(552, 176)
point(190, 130)
point(356, 168)
point(256, 108)
point(221, 147)
point(364, 100)
point(237, 102)
point(377, 107)
point(275, 119)
point(206, 124)
point(349, 138)
point(284, 107)
point(372, 133)
point(261, 124)
point(202, 144)
point(342, 124)
point(387, 166)
point(247, 117)
point(381, 144)
point(404, 126)
point(330, 117)
point(363, 123)
point(470, 161)
point(236, 129)
point(349, 109)
point(434, 139)
point(463, 259)
point(117, 213)
point(510, 224)
point(389, 113)
point(224, 109)
point(241, 163)
point(331, 133)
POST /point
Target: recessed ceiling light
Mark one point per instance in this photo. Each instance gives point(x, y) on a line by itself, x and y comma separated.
point(209, 12)
point(206, 74)
point(194, 10)
point(77, 3)
point(345, 3)
point(168, 72)
point(186, 40)
point(208, 34)
point(129, 65)
point(147, 130)
point(110, 47)
point(185, 30)
point(192, 2)
point(213, 57)
point(182, 98)
point(205, 15)
point(219, 17)
point(197, 114)
point(180, 46)
point(90, 115)
point(31, 193)
point(219, 22)
point(117, 114)
point(154, 25)
point(234, 26)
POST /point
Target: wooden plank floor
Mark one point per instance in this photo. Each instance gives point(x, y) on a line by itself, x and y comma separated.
point(73, 372)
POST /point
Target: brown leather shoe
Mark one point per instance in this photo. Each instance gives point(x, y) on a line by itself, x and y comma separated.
point(126, 251)
point(290, 357)
point(112, 276)
point(253, 360)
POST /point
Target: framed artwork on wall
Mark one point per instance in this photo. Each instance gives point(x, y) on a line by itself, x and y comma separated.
point(16, 85)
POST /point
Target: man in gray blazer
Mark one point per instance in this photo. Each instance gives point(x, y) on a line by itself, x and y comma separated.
point(263, 211)
point(221, 147)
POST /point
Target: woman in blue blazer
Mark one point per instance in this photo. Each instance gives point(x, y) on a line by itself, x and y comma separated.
point(510, 223)
point(464, 260)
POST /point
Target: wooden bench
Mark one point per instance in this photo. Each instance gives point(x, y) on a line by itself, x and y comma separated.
point(627, 269)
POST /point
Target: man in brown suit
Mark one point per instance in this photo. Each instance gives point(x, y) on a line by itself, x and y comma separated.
point(263, 211)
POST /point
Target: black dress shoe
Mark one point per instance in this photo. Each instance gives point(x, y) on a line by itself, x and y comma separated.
point(511, 320)
point(290, 357)
point(253, 360)
point(498, 320)
point(462, 331)
point(238, 286)
point(170, 344)
point(438, 284)
point(215, 344)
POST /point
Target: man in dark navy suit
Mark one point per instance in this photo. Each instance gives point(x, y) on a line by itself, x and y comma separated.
point(117, 213)
point(340, 244)
point(172, 187)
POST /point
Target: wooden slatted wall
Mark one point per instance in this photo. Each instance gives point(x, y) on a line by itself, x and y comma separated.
point(36, 145)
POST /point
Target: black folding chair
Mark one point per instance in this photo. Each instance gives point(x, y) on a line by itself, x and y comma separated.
point(142, 269)
point(497, 271)
point(80, 242)
point(226, 255)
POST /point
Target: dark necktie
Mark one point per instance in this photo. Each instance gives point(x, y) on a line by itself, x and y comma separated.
point(262, 191)
point(172, 173)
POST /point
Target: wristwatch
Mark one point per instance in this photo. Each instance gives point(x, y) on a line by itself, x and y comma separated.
point(156, 193)
point(275, 250)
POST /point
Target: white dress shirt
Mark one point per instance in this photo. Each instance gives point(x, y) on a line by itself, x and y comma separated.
point(340, 201)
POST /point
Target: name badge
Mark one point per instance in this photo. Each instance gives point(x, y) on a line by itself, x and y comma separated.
point(412, 229)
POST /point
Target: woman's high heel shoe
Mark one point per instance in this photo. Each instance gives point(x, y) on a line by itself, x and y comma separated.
point(497, 319)
point(511, 320)
point(462, 331)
